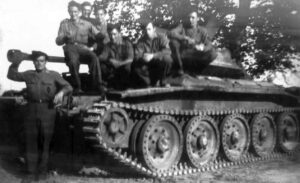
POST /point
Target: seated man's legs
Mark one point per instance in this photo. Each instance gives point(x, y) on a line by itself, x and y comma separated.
point(94, 67)
point(121, 77)
point(72, 61)
point(194, 60)
point(140, 74)
point(176, 51)
point(159, 69)
point(73, 54)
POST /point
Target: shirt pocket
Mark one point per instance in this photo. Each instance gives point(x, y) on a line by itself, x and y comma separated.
point(48, 89)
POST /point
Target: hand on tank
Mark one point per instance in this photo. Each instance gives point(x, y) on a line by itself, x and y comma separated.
point(200, 47)
point(148, 57)
point(58, 98)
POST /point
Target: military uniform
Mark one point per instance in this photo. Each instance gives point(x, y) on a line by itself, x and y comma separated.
point(118, 78)
point(76, 37)
point(40, 113)
point(193, 59)
point(149, 73)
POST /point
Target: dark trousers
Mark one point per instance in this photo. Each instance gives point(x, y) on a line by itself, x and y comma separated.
point(149, 73)
point(39, 127)
point(117, 78)
point(75, 54)
point(190, 59)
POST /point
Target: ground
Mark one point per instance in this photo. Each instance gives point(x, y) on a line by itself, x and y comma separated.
point(281, 171)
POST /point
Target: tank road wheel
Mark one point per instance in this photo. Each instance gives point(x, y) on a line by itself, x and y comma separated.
point(235, 136)
point(160, 143)
point(263, 134)
point(134, 137)
point(115, 127)
point(201, 138)
point(288, 132)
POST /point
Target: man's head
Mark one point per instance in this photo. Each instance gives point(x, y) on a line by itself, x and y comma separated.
point(115, 33)
point(193, 18)
point(39, 60)
point(100, 14)
point(74, 9)
point(86, 9)
point(150, 30)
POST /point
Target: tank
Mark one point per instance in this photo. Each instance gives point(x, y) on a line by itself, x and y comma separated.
point(211, 121)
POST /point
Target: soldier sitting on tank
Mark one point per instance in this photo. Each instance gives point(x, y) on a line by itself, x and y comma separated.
point(74, 34)
point(45, 90)
point(153, 59)
point(87, 11)
point(116, 59)
point(191, 46)
point(101, 25)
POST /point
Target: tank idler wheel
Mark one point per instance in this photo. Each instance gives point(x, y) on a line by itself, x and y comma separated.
point(288, 132)
point(235, 136)
point(115, 127)
point(201, 137)
point(160, 143)
point(263, 134)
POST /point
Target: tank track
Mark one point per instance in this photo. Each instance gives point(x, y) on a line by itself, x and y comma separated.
point(128, 162)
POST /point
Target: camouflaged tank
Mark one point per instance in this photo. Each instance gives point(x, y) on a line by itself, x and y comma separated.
point(196, 124)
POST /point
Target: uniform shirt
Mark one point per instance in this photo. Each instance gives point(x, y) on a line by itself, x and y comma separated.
point(199, 34)
point(159, 46)
point(80, 32)
point(102, 28)
point(41, 86)
point(92, 20)
point(119, 52)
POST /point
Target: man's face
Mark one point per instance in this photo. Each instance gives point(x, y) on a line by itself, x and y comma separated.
point(115, 35)
point(193, 19)
point(150, 30)
point(40, 63)
point(100, 15)
point(86, 11)
point(74, 12)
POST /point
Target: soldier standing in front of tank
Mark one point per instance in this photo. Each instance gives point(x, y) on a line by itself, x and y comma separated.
point(45, 89)
point(153, 57)
point(74, 33)
point(116, 59)
point(191, 44)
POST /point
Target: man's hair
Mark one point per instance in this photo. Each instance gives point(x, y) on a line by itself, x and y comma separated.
point(97, 8)
point(116, 26)
point(85, 3)
point(193, 9)
point(36, 54)
point(74, 4)
point(146, 21)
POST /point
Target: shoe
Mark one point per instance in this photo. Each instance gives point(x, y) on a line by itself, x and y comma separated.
point(77, 91)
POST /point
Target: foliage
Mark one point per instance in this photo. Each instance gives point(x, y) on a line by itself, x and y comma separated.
point(261, 34)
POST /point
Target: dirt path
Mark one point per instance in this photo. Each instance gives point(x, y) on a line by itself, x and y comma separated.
point(283, 171)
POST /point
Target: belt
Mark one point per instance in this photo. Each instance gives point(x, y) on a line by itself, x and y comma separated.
point(38, 101)
point(76, 43)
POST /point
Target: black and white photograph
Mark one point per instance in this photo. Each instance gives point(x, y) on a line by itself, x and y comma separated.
point(150, 91)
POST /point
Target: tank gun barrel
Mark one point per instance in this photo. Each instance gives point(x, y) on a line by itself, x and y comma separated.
point(14, 55)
